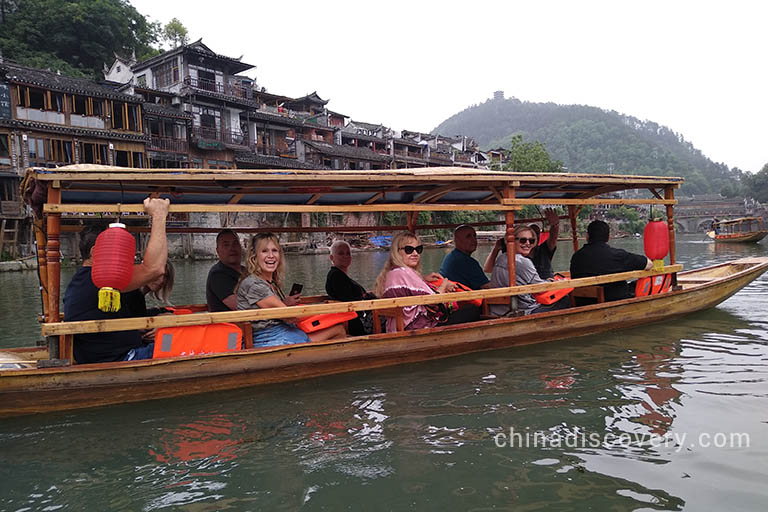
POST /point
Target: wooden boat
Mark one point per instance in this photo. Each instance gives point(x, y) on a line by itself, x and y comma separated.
point(742, 230)
point(41, 379)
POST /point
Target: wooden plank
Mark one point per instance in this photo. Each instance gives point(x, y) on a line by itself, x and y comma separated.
point(580, 202)
point(273, 208)
point(335, 307)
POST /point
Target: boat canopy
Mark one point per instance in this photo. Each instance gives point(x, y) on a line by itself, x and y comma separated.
point(280, 190)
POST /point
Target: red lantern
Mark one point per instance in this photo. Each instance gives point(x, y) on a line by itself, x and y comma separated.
point(112, 264)
point(656, 242)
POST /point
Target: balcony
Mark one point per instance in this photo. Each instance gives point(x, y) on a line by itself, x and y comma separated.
point(212, 86)
point(172, 145)
point(223, 136)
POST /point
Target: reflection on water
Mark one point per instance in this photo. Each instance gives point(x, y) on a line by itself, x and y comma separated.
point(422, 436)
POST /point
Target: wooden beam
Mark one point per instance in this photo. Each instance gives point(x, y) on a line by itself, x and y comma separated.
point(313, 199)
point(126, 324)
point(375, 197)
point(271, 208)
point(235, 199)
point(575, 202)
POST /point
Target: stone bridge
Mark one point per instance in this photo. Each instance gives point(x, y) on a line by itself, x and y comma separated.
point(694, 215)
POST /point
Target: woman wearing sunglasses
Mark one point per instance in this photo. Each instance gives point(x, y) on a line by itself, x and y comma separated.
point(525, 273)
point(401, 277)
point(260, 287)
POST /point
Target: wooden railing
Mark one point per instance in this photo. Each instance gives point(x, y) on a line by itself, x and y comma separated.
point(220, 88)
point(125, 324)
point(168, 144)
point(225, 136)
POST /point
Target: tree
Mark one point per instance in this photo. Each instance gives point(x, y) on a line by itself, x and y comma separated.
point(757, 184)
point(82, 35)
point(529, 157)
point(175, 33)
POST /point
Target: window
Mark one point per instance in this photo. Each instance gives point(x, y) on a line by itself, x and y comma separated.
point(166, 74)
point(60, 151)
point(138, 159)
point(79, 104)
point(141, 80)
point(5, 150)
point(125, 116)
point(32, 97)
point(36, 149)
point(35, 98)
point(93, 153)
point(122, 158)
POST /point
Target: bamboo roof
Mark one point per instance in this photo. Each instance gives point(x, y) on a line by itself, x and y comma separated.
point(433, 188)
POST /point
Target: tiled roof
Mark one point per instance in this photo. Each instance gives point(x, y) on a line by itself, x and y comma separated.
point(275, 118)
point(189, 90)
point(367, 126)
point(61, 83)
point(406, 142)
point(270, 161)
point(346, 151)
point(153, 109)
point(199, 48)
point(360, 136)
point(68, 130)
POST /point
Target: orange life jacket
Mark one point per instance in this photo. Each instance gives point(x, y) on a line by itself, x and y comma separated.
point(197, 339)
point(552, 296)
point(318, 322)
point(461, 288)
point(653, 285)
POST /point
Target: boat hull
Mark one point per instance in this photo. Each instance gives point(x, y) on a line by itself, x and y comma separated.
point(755, 236)
point(43, 390)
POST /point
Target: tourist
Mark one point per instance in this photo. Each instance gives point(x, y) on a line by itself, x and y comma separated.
point(542, 254)
point(260, 288)
point(525, 239)
point(81, 298)
point(401, 277)
point(224, 275)
point(597, 258)
point(339, 286)
point(459, 265)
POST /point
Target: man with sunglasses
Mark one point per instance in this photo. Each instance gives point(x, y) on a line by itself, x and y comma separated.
point(459, 265)
point(597, 258)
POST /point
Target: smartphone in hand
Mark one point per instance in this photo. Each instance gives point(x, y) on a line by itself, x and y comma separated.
point(296, 289)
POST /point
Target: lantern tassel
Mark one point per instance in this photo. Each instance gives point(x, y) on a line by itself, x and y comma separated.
point(109, 300)
point(658, 265)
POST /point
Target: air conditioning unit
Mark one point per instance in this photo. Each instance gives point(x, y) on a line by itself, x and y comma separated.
point(175, 100)
point(186, 107)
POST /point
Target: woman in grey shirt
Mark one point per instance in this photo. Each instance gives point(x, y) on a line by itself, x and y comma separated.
point(260, 288)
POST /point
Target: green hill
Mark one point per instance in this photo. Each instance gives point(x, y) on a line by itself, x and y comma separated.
point(589, 139)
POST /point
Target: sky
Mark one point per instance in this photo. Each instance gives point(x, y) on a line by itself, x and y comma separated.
point(697, 67)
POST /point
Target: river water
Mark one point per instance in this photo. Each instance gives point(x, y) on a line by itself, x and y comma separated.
point(668, 416)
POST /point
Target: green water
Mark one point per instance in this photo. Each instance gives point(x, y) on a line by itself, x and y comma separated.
point(426, 436)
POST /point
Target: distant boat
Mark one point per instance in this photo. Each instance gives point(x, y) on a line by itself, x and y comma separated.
point(741, 230)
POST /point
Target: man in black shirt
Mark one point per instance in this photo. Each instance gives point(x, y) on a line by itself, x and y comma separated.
point(542, 254)
point(597, 258)
point(223, 276)
point(81, 297)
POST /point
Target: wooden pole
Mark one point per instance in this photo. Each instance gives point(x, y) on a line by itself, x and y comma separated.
point(53, 255)
point(53, 266)
point(669, 193)
point(42, 264)
point(572, 214)
point(411, 218)
point(509, 193)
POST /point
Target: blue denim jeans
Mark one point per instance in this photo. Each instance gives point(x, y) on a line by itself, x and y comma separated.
point(144, 352)
point(280, 334)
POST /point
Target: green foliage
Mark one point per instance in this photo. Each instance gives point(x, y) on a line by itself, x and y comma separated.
point(175, 33)
point(585, 211)
point(757, 184)
point(589, 139)
point(76, 38)
point(529, 157)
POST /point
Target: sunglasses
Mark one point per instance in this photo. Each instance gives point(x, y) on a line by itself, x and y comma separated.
point(409, 249)
point(523, 240)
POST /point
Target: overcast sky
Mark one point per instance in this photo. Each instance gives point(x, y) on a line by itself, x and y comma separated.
point(698, 67)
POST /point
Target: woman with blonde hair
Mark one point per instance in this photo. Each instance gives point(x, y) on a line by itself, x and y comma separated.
point(525, 240)
point(401, 277)
point(260, 287)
